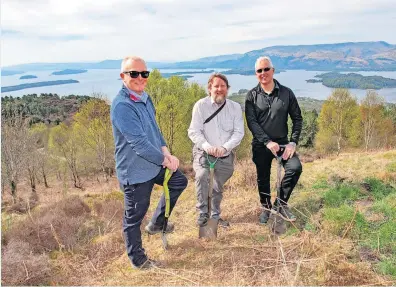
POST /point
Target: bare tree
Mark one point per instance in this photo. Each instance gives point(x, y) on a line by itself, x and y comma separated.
point(14, 144)
point(63, 140)
point(39, 134)
point(43, 164)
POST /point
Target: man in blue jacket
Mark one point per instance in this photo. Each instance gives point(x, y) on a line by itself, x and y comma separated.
point(141, 158)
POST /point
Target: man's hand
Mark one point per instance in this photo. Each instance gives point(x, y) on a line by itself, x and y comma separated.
point(220, 151)
point(171, 162)
point(290, 149)
point(216, 151)
point(174, 162)
point(273, 147)
point(212, 151)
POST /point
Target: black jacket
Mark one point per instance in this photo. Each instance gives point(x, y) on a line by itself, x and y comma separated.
point(266, 116)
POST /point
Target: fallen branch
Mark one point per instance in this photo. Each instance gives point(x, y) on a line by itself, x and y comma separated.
point(27, 273)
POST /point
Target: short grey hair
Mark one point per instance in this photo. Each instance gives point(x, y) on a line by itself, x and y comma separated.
point(130, 58)
point(260, 59)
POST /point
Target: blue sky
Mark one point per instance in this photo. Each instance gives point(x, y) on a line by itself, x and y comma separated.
point(165, 30)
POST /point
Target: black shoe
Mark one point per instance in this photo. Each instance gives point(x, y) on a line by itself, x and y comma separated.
point(148, 264)
point(265, 215)
point(152, 228)
point(223, 223)
point(284, 212)
point(203, 219)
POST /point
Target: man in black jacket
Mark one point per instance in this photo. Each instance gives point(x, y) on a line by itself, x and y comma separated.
point(267, 107)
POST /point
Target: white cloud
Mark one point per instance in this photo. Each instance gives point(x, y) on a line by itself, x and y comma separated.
point(94, 30)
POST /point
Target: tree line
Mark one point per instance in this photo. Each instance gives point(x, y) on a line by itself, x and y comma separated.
point(343, 122)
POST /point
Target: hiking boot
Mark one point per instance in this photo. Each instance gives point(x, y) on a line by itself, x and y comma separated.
point(264, 216)
point(223, 223)
point(203, 219)
point(284, 212)
point(152, 228)
point(148, 264)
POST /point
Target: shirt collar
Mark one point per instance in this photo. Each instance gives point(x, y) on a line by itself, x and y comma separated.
point(276, 87)
point(135, 96)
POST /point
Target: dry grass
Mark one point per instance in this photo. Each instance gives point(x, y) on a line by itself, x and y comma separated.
point(351, 166)
point(58, 226)
point(23, 205)
point(21, 267)
point(244, 254)
point(247, 253)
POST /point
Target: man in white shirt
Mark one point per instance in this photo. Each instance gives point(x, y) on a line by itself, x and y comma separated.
point(216, 138)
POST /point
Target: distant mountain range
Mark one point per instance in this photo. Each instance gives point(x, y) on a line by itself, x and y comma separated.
point(351, 56)
point(326, 57)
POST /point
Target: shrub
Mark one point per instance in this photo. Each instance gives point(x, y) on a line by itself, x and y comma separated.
point(21, 267)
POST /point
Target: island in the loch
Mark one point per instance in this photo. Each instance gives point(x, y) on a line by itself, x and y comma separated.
point(168, 75)
point(353, 81)
point(36, 85)
point(69, 72)
point(25, 77)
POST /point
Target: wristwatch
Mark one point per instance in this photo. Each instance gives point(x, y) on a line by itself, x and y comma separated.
point(293, 143)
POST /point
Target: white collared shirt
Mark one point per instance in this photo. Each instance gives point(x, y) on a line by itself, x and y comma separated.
point(226, 129)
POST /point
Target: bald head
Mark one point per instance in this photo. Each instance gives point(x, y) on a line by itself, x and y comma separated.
point(129, 61)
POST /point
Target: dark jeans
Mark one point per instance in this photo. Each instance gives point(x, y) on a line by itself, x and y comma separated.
point(137, 201)
point(263, 157)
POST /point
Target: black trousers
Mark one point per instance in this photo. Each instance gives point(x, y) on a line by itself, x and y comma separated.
point(262, 157)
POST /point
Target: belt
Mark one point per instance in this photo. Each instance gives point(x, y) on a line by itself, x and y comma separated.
point(204, 152)
point(223, 157)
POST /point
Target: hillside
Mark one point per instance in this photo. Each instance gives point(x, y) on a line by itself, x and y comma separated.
point(347, 56)
point(343, 236)
point(46, 108)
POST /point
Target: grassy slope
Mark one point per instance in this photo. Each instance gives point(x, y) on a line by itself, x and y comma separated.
point(320, 249)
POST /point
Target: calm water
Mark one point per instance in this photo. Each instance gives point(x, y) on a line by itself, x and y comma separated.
point(107, 82)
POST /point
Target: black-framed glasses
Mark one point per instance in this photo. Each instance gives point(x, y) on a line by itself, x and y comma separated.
point(135, 74)
point(259, 71)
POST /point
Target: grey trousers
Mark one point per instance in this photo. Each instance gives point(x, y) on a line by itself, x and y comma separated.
point(223, 170)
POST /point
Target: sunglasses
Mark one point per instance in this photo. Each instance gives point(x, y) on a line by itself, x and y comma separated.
point(135, 74)
point(259, 71)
